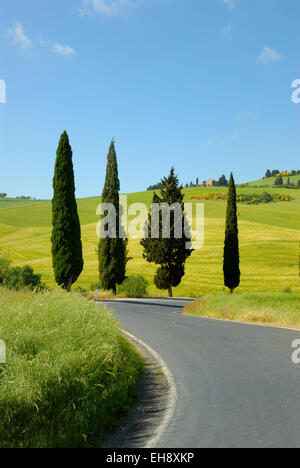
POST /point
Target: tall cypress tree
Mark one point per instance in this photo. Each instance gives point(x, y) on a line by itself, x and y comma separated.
point(112, 252)
point(66, 235)
point(231, 249)
point(171, 253)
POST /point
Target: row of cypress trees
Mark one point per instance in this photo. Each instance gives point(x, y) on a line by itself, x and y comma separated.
point(67, 258)
point(170, 254)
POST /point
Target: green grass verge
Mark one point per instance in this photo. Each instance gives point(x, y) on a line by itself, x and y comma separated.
point(70, 378)
point(280, 309)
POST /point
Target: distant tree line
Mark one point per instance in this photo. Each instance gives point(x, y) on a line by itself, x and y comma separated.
point(222, 182)
point(275, 172)
point(158, 186)
point(22, 197)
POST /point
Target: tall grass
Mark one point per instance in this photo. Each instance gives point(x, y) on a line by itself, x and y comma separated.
point(70, 376)
point(282, 309)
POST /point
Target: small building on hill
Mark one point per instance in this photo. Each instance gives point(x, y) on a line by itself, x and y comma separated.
point(210, 183)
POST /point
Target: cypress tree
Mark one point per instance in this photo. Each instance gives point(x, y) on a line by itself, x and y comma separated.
point(170, 254)
point(231, 250)
point(112, 252)
point(66, 235)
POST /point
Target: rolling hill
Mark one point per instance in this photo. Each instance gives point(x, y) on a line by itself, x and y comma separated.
point(269, 242)
point(270, 181)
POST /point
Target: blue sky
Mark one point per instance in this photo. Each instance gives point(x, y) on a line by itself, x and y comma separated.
point(204, 85)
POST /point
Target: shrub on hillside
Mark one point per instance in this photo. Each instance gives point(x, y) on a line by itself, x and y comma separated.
point(134, 286)
point(4, 267)
point(249, 199)
point(23, 277)
point(80, 290)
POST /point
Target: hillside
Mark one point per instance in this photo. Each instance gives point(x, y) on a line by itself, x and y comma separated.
point(270, 181)
point(269, 238)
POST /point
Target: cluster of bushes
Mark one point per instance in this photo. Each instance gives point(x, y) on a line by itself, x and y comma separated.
point(253, 199)
point(249, 199)
point(132, 286)
point(277, 173)
point(158, 186)
point(209, 196)
point(18, 277)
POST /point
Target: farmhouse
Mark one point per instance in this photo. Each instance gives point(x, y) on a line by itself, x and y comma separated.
point(210, 183)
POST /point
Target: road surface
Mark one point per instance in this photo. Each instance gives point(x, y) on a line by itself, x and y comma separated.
point(236, 383)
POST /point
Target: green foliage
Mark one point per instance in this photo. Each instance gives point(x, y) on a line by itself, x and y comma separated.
point(23, 277)
point(223, 182)
point(70, 378)
point(268, 174)
point(257, 199)
point(80, 290)
point(66, 235)
point(4, 266)
point(248, 198)
point(158, 186)
point(134, 286)
point(163, 278)
point(231, 248)
point(112, 252)
point(18, 277)
point(169, 253)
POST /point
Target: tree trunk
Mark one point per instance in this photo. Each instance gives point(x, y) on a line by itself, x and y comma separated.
point(231, 291)
point(170, 291)
point(69, 285)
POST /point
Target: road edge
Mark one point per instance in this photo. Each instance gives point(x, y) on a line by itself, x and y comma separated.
point(238, 322)
point(172, 394)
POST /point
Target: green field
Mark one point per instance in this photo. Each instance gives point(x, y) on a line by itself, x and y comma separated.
point(269, 242)
point(270, 181)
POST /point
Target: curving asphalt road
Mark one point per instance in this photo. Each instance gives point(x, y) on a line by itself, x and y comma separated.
point(236, 383)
